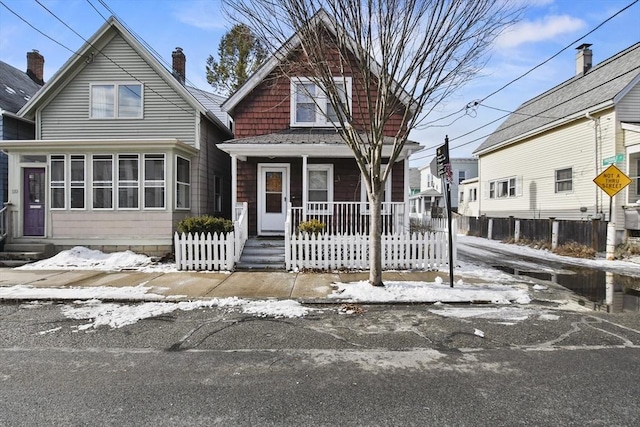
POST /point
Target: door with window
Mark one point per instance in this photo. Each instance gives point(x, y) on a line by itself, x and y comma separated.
point(34, 201)
point(273, 195)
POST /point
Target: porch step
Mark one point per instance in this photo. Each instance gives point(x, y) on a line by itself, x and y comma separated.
point(261, 254)
point(17, 254)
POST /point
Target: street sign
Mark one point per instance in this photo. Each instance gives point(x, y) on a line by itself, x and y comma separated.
point(612, 180)
point(618, 158)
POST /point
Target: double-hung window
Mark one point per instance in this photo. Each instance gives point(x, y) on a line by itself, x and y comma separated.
point(57, 181)
point(183, 183)
point(128, 181)
point(78, 179)
point(66, 181)
point(154, 181)
point(310, 104)
point(319, 187)
point(564, 180)
point(102, 181)
point(116, 101)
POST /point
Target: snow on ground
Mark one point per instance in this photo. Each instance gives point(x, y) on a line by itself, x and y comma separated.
point(512, 314)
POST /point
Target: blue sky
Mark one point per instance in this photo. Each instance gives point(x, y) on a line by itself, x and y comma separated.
point(197, 26)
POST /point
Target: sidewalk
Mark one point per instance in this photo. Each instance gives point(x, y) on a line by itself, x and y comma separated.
point(182, 286)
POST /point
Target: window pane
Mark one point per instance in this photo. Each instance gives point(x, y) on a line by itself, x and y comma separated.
point(102, 198)
point(317, 180)
point(274, 202)
point(57, 198)
point(57, 168)
point(102, 168)
point(130, 100)
point(128, 197)
point(128, 168)
point(305, 107)
point(182, 196)
point(154, 167)
point(183, 170)
point(332, 115)
point(102, 101)
point(77, 198)
point(154, 197)
point(318, 196)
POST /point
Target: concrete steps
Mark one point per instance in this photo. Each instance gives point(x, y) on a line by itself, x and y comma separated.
point(262, 254)
point(17, 254)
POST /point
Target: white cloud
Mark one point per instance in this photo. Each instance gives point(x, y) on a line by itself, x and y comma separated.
point(202, 14)
point(546, 28)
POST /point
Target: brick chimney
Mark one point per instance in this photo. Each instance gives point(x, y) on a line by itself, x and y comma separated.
point(35, 66)
point(179, 64)
point(584, 59)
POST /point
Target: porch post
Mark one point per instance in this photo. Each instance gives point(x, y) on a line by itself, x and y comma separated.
point(407, 186)
point(305, 195)
point(234, 186)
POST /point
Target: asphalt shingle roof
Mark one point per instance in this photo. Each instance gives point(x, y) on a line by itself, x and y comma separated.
point(599, 85)
point(301, 136)
point(16, 88)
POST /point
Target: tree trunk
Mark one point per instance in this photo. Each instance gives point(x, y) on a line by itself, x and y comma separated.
point(375, 244)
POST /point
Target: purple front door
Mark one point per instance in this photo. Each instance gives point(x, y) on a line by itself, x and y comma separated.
point(34, 193)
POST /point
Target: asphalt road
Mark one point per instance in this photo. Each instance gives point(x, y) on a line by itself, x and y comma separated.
point(387, 366)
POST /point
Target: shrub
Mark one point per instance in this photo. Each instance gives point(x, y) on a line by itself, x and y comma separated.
point(575, 250)
point(205, 224)
point(313, 226)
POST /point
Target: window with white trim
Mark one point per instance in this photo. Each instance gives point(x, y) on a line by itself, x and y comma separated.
point(564, 180)
point(319, 187)
point(128, 181)
point(78, 181)
point(154, 181)
point(473, 194)
point(57, 181)
point(116, 100)
point(183, 183)
point(504, 188)
point(102, 181)
point(310, 105)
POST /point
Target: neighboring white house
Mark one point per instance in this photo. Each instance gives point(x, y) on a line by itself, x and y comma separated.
point(430, 197)
point(541, 162)
point(468, 204)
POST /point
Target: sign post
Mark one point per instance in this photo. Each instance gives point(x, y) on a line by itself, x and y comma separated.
point(612, 180)
point(445, 173)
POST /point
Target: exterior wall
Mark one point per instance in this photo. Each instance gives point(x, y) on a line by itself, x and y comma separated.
point(10, 128)
point(165, 113)
point(346, 182)
point(469, 207)
point(470, 167)
point(628, 109)
point(534, 162)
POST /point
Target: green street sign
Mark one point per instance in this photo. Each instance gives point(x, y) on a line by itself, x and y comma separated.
point(618, 158)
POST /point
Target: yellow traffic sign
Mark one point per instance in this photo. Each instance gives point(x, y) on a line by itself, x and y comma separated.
point(612, 180)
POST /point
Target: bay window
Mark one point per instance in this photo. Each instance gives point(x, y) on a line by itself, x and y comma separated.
point(128, 181)
point(183, 183)
point(154, 181)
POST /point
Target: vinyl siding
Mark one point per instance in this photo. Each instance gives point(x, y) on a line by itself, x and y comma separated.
point(113, 224)
point(534, 162)
point(628, 109)
point(165, 113)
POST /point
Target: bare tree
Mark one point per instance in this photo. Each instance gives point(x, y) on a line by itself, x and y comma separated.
point(406, 56)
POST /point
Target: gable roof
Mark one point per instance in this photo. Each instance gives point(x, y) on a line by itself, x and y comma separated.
point(101, 38)
point(16, 88)
point(597, 89)
point(320, 18)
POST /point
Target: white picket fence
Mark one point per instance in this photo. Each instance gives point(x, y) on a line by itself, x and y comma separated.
point(205, 251)
point(421, 251)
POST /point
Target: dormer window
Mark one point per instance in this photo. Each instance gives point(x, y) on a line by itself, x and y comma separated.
point(116, 101)
point(310, 105)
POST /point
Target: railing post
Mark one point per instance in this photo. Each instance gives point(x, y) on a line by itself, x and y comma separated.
point(287, 238)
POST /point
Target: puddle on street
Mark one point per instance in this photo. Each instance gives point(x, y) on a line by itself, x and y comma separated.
point(617, 292)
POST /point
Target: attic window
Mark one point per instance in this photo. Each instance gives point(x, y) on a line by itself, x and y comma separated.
point(310, 105)
point(116, 101)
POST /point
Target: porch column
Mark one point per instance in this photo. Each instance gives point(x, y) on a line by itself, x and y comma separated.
point(407, 186)
point(234, 185)
point(305, 195)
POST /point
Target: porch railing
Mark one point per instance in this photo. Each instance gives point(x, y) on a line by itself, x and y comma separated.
point(350, 218)
point(4, 224)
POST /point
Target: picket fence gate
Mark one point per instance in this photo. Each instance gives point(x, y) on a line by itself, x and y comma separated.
point(422, 251)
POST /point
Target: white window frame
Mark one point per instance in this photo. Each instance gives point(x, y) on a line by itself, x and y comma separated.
point(78, 184)
point(184, 185)
point(387, 193)
point(320, 101)
point(57, 185)
point(328, 210)
point(117, 107)
point(102, 184)
point(504, 188)
point(128, 184)
point(154, 183)
point(558, 182)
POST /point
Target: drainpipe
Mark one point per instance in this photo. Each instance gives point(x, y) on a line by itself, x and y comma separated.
point(595, 141)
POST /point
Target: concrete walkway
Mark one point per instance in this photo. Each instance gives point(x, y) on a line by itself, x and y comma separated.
point(304, 287)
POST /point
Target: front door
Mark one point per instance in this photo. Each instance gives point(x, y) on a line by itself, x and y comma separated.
point(33, 202)
point(273, 195)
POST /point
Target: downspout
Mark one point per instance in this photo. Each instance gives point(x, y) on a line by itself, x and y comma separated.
point(595, 141)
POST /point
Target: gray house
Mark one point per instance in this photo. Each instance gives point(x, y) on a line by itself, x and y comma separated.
point(122, 151)
point(16, 88)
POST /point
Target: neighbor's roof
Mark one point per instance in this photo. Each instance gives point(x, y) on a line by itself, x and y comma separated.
point(599, 88)
point(16, 88)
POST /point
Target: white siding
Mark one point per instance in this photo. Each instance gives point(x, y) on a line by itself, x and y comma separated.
point(628, 109)
point(535, 161)
point(166, 113)
point(113, 224)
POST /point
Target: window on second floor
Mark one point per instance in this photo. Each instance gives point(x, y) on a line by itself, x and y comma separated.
point(116, 101)
point(310, 105)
